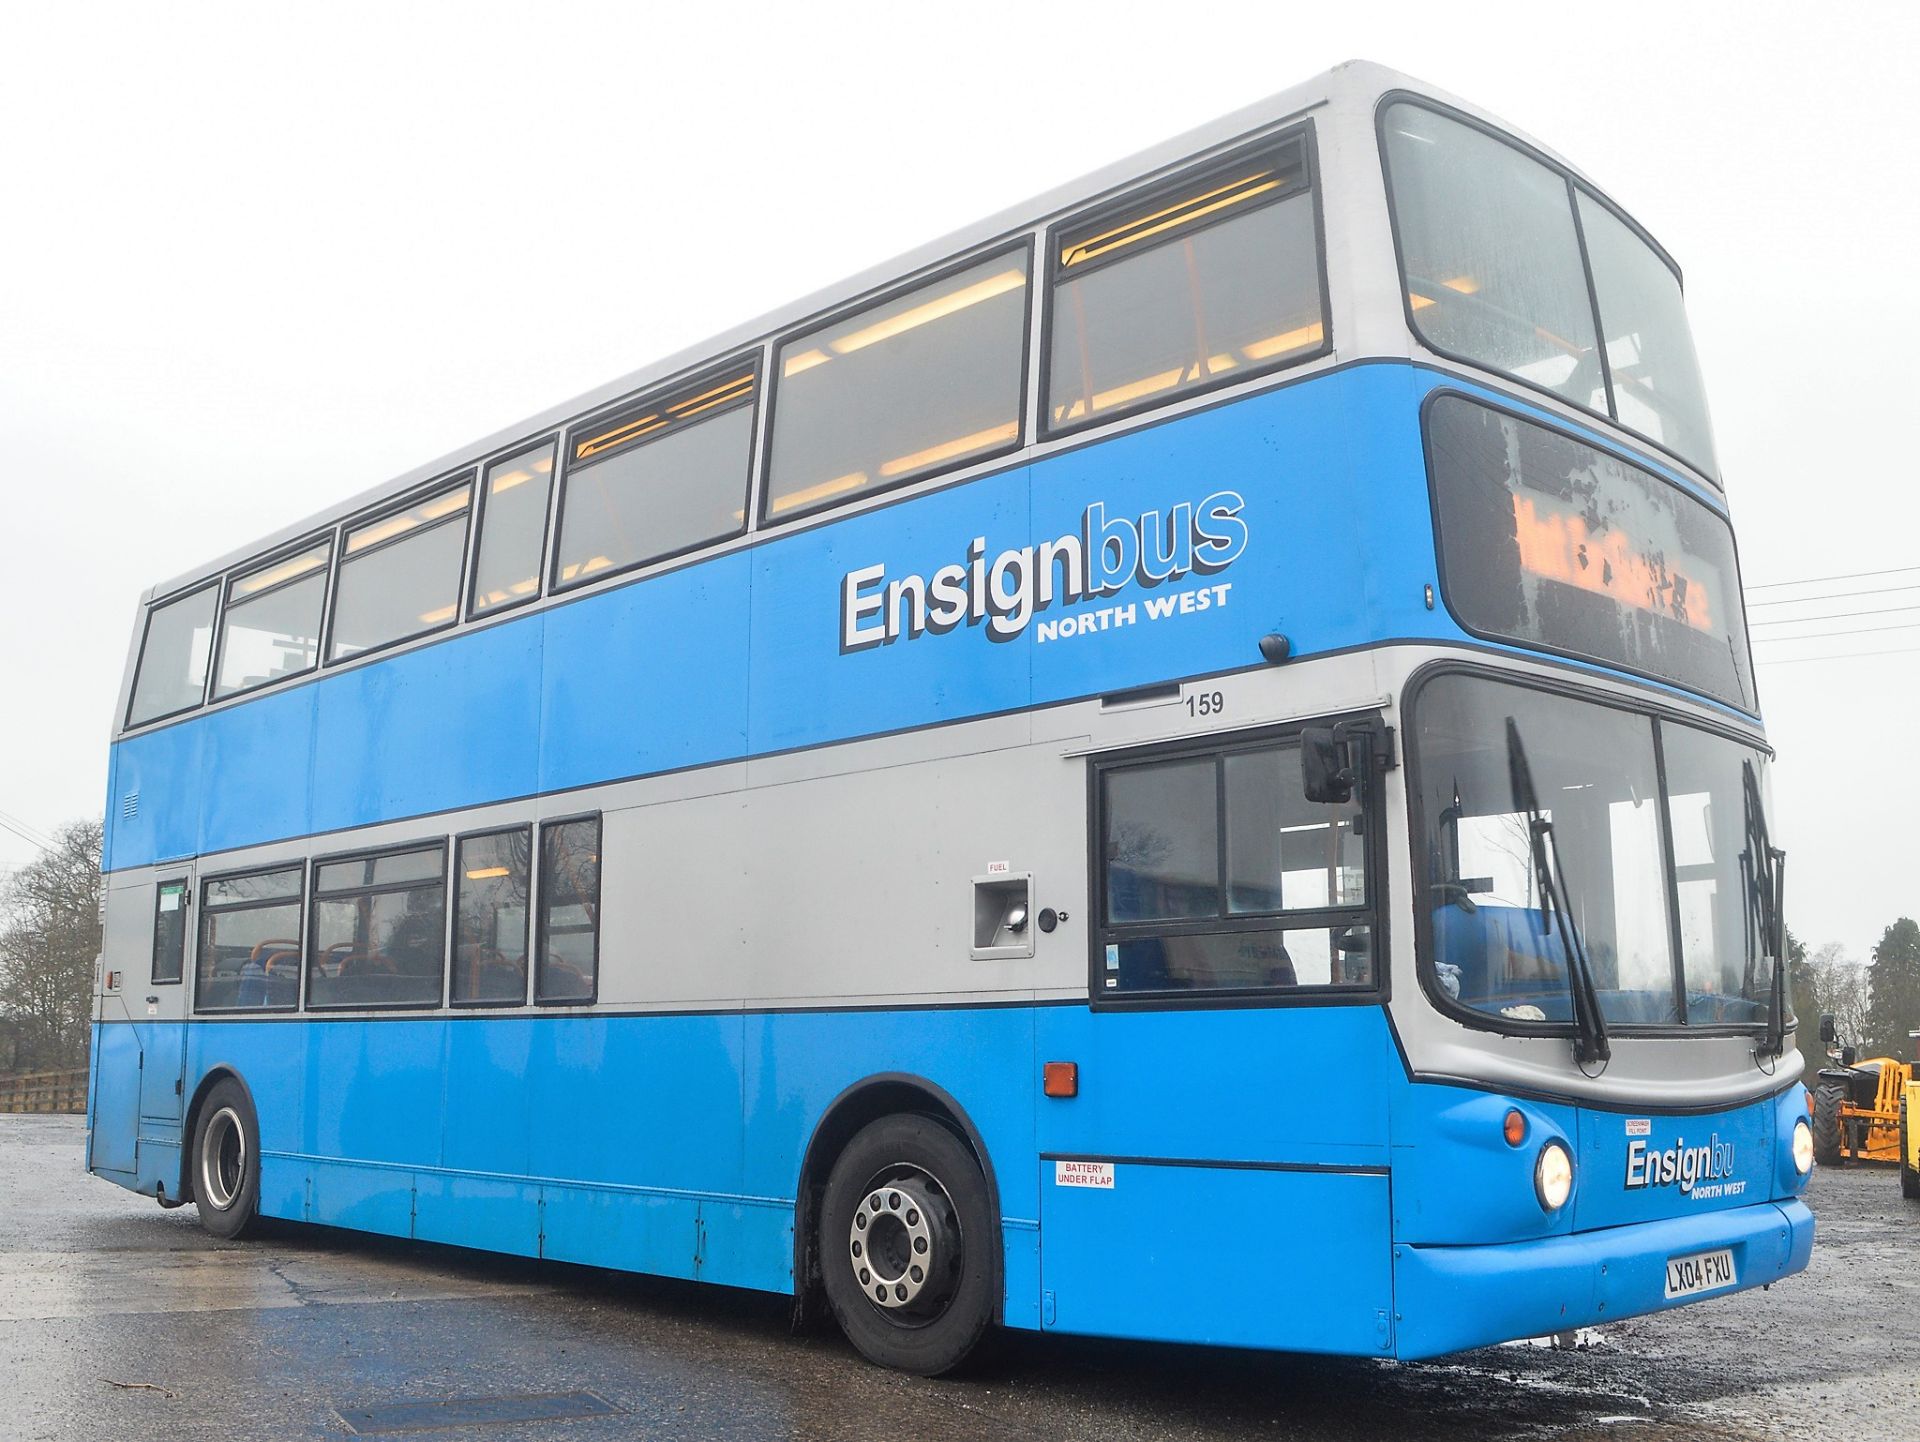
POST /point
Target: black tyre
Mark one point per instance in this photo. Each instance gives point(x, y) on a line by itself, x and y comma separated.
point(908, 1254)
point(1828, 1097)
point(225, 1161)
point(1909, 1174)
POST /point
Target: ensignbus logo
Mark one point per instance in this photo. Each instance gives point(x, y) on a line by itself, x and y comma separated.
point(1700, 1171)
point(1098, 561)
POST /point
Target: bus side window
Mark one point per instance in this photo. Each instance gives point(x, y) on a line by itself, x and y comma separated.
point(400, 574)
point(513, 529)
point(658, 478)
point(1211, 279)
point(492, 874)
point(568, 969)
point(928, 379)
point(169, 932)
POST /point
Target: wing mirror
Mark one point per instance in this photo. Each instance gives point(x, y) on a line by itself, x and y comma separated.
point(1829, 1033)
point(1326, 765)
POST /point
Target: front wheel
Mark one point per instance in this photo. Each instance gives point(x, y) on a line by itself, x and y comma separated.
point(226, 1161)
point(907, 1246)
point(1828, 1097)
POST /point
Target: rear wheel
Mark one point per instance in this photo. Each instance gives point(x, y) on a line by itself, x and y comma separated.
point(226, 1161)
point(908, 1255)
point(1909, 1174)
point(1828, 1098)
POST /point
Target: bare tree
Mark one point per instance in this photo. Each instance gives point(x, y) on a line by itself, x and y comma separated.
point(49, 941)
point(1827, 982)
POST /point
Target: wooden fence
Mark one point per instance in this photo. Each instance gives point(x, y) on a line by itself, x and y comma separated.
point(44, 1091)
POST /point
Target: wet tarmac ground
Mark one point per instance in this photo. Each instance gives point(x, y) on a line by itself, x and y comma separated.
point(121, 1321)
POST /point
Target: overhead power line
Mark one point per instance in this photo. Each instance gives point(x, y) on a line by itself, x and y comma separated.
point(1844, 631)
point(1844, 576)
point(1835, 616)
point(25, 833)
point(1837, 656)
point(1834, 596)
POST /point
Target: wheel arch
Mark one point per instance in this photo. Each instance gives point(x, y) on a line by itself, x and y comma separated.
point(867, 1100)
point(190, 1118)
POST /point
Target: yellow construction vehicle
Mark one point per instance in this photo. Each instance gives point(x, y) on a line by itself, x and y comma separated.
point(1857, 1108)
point(1910, 1130)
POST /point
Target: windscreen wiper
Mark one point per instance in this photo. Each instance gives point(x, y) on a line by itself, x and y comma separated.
point(1590, 1043)
point(1763, 869)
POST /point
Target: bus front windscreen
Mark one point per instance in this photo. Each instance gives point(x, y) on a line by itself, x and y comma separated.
point(1551, 543)
point(1648, 815)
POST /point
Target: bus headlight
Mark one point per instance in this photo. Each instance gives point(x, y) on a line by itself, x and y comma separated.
point(1802, 1147)
point(1553, 1176)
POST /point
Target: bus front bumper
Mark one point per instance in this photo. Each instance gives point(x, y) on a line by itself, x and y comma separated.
point(1452, 1298)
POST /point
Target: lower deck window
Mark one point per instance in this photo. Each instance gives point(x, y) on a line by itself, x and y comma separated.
point(1219, 876)
point(569, 911)
point(491, 880)
point(379, 930)
point(249, 955)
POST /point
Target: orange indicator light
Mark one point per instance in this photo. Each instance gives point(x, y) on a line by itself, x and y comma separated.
point(1515, 1129)
point(1060, 1079)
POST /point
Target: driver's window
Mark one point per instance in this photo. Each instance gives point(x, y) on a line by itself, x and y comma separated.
point(1218, 875)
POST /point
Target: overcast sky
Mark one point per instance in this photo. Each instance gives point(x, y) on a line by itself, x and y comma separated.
point(253, 261)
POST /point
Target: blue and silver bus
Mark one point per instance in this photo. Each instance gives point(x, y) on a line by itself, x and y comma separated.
point(1180, 764)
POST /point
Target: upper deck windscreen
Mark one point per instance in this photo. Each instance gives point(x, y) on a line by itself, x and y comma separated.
point(1508, 263)
point(1552, 543)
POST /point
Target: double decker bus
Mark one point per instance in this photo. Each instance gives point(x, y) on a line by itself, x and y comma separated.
point(1180, 764)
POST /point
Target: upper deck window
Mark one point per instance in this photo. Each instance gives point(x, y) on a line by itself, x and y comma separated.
point(513, 529)
point(921, 382)
point(1203, 282)
point(173, 659)
point(400, 574)
point(1496, 249)
point(1552, 543)
point(658, 478)
point(272, 624)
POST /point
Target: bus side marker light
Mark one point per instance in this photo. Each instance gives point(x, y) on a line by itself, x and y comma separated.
point(1060, 1079)
point(1515, 1127)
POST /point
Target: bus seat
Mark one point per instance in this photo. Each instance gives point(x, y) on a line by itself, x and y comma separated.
point(1499, 950)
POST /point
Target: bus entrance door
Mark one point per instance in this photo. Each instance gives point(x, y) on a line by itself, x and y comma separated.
point(160, 1009)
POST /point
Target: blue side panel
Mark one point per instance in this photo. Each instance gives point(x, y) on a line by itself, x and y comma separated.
point(647, 1100)
point(1302, 1085)
point(1242, 1257)
point(646, 678)
point(805, 692)
point(414, 733)
point(367, 1199)
point(487, 1121)
point(113, 1105)
point(163, 769)
point(256, 773)
point(373, 1094)
point(491, 1213)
